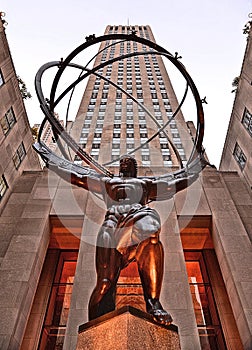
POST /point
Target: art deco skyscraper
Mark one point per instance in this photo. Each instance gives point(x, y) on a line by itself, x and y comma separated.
point(111, 124)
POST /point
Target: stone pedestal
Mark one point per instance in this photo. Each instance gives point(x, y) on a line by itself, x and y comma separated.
point(127, 329)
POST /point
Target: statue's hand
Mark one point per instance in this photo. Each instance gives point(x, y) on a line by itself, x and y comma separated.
point(56, 163)
point(197, 165)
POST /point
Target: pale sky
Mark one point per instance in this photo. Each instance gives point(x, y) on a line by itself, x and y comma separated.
point(207, 34)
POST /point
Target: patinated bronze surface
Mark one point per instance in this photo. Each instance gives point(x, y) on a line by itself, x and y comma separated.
point(131, 228)
point(130, 231)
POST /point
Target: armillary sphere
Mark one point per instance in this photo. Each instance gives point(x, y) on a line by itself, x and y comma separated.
point(196, 159)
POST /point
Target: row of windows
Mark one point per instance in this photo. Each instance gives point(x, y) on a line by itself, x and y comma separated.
point(238, 153)
point(128, 28)
point(145, 157)
point(129, 128)
point(130, 144)
point(116, 153)
point(129, 108)
point(7, 122)
point(117, 117)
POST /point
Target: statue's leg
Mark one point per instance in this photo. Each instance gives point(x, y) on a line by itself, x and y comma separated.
point(108, 267)
point(150, 260)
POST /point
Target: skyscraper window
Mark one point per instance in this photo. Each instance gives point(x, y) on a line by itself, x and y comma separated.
point(1, 78)
point(3, 186)
point(7, 121)
point(19, 155)
point(247, 121)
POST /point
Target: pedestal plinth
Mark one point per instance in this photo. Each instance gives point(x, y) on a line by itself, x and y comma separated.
point(127, 329)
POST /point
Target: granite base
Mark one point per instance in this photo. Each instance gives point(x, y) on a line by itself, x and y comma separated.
point(127, 329)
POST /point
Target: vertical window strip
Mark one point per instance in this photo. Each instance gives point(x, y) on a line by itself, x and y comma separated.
point(3, 186)
point(19, 155)
point(1, 78)
point(239, 156)
point(247, 121)
point(7, 121)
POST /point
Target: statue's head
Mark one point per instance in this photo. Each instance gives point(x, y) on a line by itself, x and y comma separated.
point(128, 166)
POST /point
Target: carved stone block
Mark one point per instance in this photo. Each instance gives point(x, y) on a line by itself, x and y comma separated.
point(127, 329)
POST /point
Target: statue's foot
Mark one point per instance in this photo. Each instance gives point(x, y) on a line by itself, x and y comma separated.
point(160, 315)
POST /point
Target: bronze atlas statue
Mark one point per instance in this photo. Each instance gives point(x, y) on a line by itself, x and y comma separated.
point(130, 230)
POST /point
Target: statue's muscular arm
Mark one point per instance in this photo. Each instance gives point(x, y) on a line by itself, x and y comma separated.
point(162, 189)
point(77, 175)
point(165, 187)
point(87, 180)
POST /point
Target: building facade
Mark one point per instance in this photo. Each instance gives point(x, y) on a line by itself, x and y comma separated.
point(15, 134)
point(237, 154)
point(237, 149)
point(49, 227)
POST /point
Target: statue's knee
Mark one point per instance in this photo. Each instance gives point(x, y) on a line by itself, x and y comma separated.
point(147, 224)
point(148, 228)
point(104, 286)
point(109, 223)
point(156, 227)
point(154, 237)
point(108, 226)
point(105, 236)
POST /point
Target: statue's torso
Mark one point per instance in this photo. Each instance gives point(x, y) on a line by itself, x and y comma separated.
point(122, 190)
